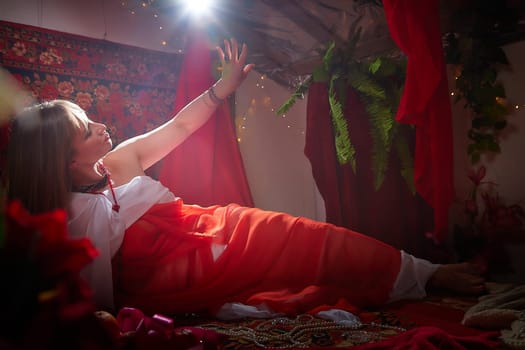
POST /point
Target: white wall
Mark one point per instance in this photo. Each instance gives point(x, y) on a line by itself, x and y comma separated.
point(272, 145)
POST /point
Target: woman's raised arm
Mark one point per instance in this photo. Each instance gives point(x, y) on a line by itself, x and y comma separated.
point(152, 146)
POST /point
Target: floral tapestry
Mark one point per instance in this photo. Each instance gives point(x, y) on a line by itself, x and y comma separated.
point(129, 89)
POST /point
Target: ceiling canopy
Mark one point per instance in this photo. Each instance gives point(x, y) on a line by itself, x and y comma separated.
point(287, 38)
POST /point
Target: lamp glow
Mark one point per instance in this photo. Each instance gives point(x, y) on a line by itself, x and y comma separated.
point(197, 8)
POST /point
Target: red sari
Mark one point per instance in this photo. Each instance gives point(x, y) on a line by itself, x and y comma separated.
point(292, 264)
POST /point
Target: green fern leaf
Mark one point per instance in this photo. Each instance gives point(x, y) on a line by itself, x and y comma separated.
point(328, 56)
point(375, 65)
point(344, 148)
point(382, 122)
point(407, 162)
point(365, 85)
point(298, 93)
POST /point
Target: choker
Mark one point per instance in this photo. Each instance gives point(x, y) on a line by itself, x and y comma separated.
point(101, 184)
point(94, 187)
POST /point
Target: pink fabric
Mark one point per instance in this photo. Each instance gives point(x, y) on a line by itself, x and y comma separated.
point(292, 264)
point(414, 26)
point(207, 168)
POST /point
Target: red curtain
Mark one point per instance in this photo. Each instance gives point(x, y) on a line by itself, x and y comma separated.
point(391, 214)
point(414, 25)
point(207, 168)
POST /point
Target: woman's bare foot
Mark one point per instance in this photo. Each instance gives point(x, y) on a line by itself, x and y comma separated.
point(464, 278)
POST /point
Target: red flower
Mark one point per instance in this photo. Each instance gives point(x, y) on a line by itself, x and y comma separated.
point(45, 304)
point(477, 176)
point(471, 207)
point(45, 237)
point(49, 91)
point(499, 218)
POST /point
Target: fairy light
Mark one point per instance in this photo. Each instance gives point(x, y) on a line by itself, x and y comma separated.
point(136, 7)
point(257, 105)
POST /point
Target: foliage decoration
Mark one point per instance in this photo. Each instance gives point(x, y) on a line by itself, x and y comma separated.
point(379, 83)
point(344, 148)
point(475, 48)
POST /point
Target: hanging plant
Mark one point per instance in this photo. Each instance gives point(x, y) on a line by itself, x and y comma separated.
point(477, 86)
point(475, 48)
point(379, 83)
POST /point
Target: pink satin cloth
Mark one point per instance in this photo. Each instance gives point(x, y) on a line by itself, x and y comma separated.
point(292, 264)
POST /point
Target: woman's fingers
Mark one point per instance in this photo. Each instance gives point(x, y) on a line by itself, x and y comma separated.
point(230, 53)
point(247, 68)
point(227, 50)
point(233, 64)
point(235, 51)
point(221, 55)
point(244, 52)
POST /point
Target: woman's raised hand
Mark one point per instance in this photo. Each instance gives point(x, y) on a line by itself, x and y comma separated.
point(234, 67)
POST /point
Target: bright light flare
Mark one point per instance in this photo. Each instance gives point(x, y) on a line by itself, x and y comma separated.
point(197, 7)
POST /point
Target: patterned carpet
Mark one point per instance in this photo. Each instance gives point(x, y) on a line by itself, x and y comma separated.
point(306, 331)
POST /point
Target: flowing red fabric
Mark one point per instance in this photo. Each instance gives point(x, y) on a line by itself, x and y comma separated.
point(414, 26)
point(207, 168)
point(392, 214)
point(292, 264)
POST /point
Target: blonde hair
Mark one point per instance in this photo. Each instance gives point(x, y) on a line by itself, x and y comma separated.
point(40, 152)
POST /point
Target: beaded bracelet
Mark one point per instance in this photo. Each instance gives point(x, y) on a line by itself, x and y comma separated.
point(213, 96)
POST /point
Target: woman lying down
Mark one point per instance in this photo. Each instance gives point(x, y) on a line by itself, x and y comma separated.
point(164, 256)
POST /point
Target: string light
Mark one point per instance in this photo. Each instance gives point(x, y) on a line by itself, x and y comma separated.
point(134, 6)
point(500, 100)
point(265, 102)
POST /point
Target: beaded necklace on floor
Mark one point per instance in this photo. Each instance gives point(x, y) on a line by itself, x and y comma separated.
point(270, 334)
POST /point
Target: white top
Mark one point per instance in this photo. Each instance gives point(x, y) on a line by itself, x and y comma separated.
point(92, 216)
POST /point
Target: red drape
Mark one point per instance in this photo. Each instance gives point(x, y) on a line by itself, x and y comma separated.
point(291, 264)
point(414, 26)
point(207, 168)
point(391, 214)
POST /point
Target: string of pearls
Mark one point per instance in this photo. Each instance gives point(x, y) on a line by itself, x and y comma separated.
point(273, 333)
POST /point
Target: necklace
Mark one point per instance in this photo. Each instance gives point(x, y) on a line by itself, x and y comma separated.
point(94, 187)
point(99, 185)
point(286, 333)
point(105, 171)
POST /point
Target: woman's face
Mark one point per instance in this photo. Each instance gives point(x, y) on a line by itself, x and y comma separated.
point(91, 143)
